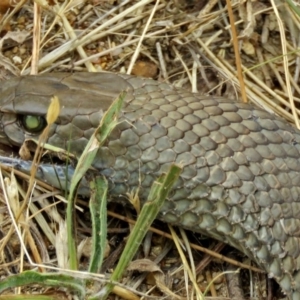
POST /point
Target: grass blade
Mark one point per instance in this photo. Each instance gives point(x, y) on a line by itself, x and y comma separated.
point(107, 124)
point(158, 193)
point(98, 208)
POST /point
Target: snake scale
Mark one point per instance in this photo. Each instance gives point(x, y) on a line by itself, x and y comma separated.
point(241, 165)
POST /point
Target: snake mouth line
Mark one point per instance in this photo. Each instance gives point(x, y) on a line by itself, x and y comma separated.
point(47, 157)
point(55, 168)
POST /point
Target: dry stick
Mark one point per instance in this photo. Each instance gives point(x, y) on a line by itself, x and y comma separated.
point(11, 196)
point(295, 86)
point(283, 94)
point(194, 77)
point(218, 63)
point(137, 50)
point(90, 37)
point(295, 19)
point(105, 26)
point(34, 68)
point(52, 114)
point(206, 260)
point(123, 45)
point(72, 35)
point(183, 64)
point(36, 39)
point(263, 66)
point(31, 262)
point(213, 36)
point(271, 102)
point(106, 15)
point(207, 8)
point(227, 69)
point(42, 44)
point(188, 251)
point(57, 11)
point(278, 76)
point(212, 287)
point(184, 261)
point(13, 229)
point(238, 62)
point(36, 214)
point(286, 64)
point(199, 66)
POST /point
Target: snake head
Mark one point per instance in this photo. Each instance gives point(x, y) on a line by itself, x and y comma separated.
point(84, 98)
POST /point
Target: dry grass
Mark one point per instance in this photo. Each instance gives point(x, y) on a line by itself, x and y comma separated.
point(187, 43)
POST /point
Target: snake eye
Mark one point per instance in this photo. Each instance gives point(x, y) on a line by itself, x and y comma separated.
point(33, 124)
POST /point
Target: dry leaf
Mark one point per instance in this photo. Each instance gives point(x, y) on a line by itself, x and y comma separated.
point(12, 193)
point(248, 48)
point(17, 36)
point(145, 69)
point(146, 265)
point(24, 152)
point(53, 110)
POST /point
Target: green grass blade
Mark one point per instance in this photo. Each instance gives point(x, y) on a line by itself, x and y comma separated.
point(98, 208)
point(30, 297)
point(158, 193)
point(48, 280)
point(107, 124)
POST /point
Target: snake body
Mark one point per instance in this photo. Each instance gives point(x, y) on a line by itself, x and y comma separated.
point(241, 165)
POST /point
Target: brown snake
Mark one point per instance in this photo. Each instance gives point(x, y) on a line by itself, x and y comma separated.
point(241, 178)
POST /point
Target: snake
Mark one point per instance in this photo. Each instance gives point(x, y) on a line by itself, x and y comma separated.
point(240, 179)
